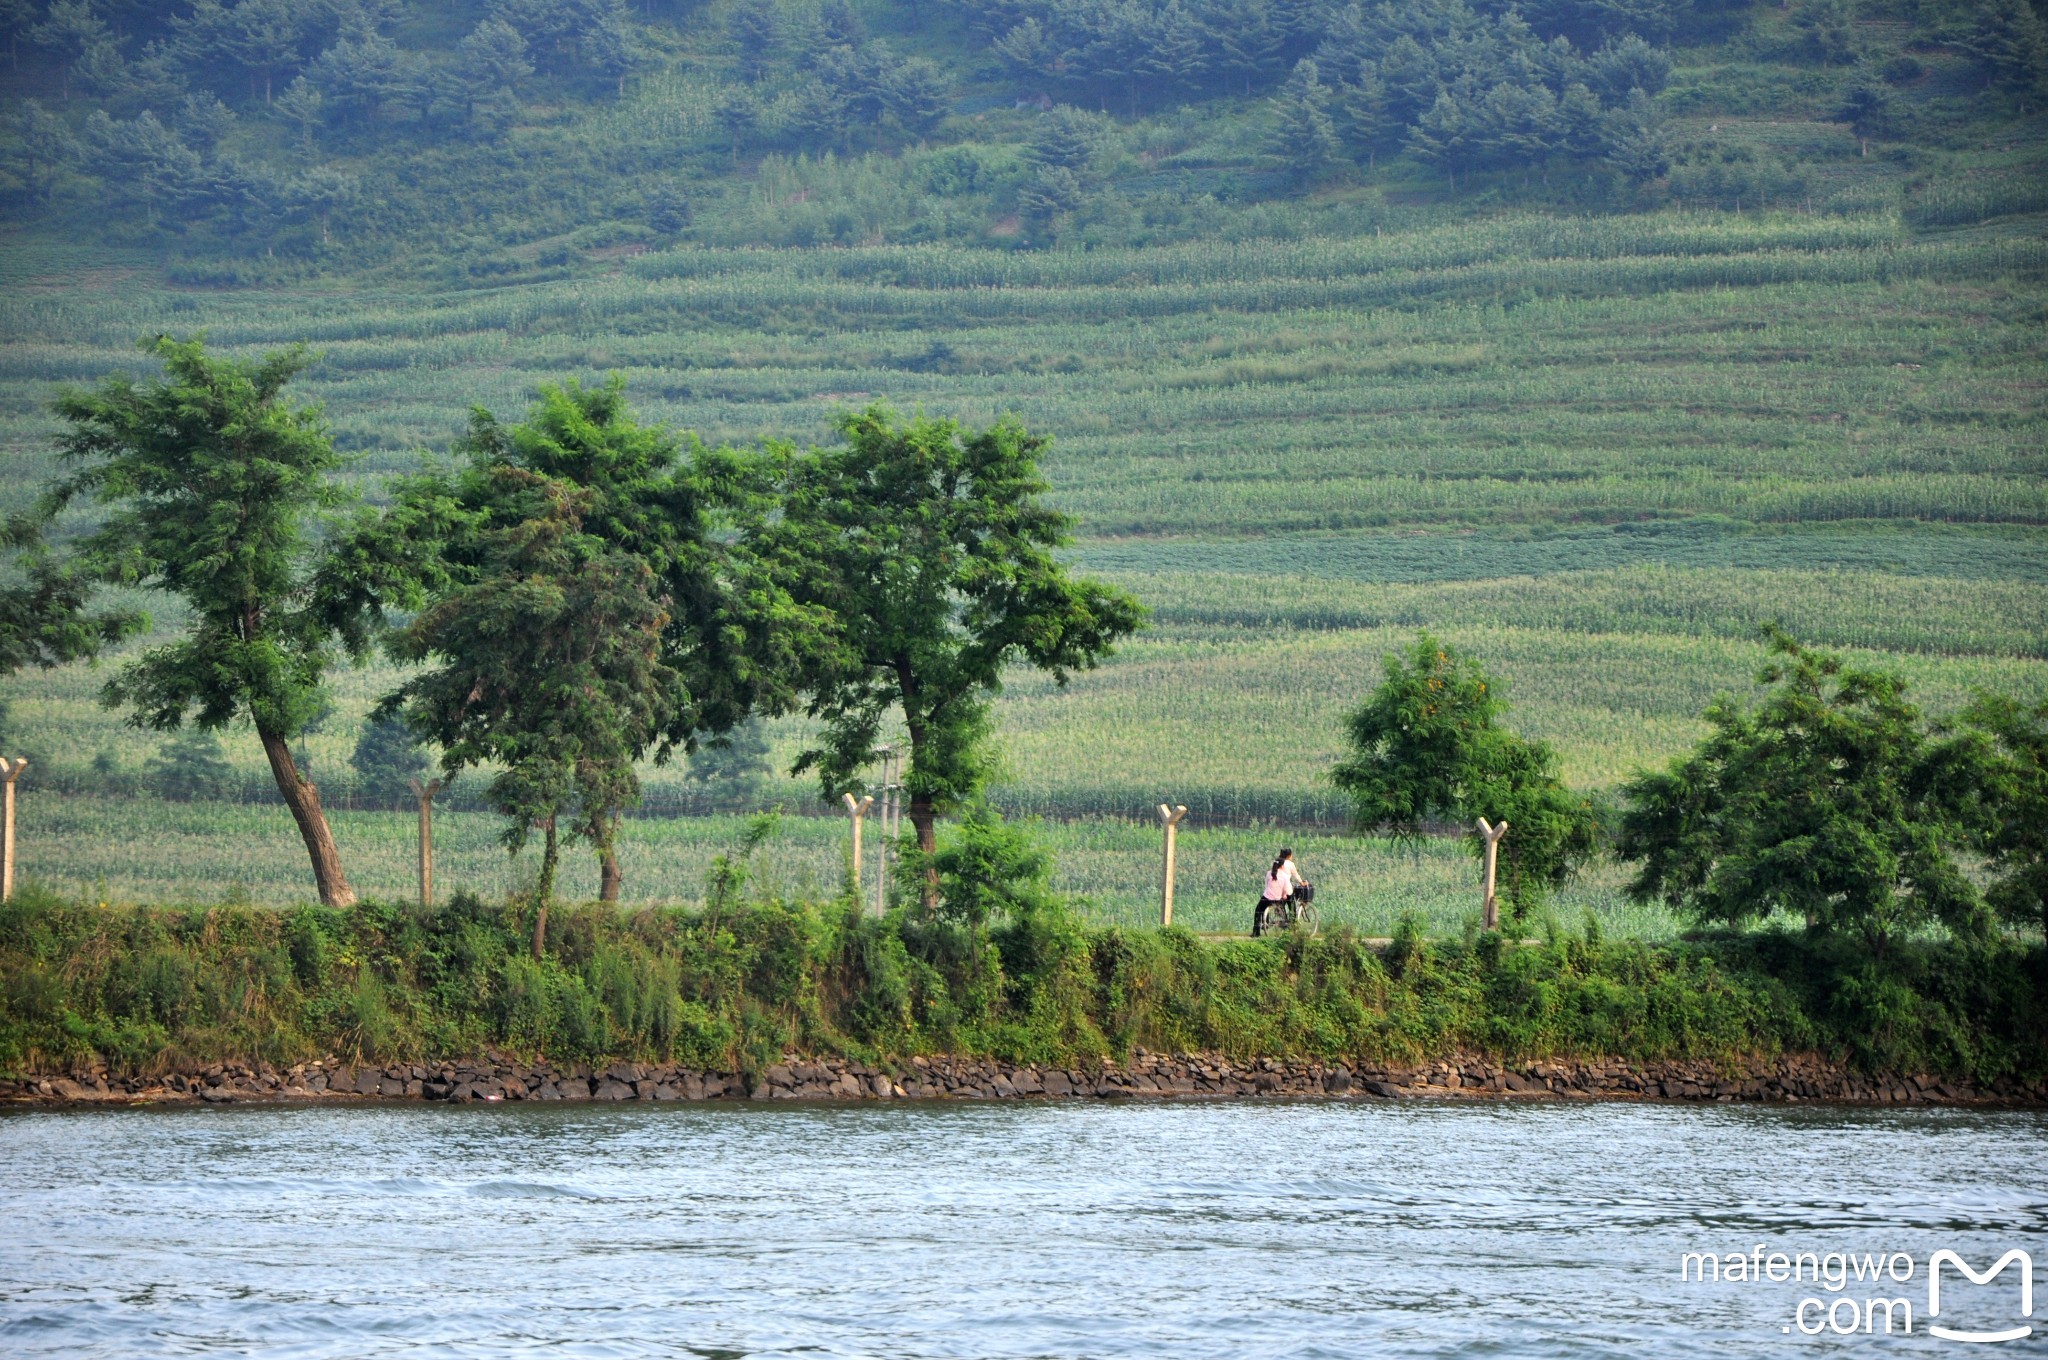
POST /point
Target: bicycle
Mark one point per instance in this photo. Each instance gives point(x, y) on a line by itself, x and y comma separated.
point(1297, 912)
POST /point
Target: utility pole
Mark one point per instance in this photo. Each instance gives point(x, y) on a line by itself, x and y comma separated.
point(1169, 818)
point(10, 770)
point(1489, 910)
point(855, 811)
point(425, 791)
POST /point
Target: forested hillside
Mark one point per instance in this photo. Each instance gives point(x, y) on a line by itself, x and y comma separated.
point(511, 138)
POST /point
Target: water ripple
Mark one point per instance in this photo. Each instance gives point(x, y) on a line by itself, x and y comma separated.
point(999, 1231)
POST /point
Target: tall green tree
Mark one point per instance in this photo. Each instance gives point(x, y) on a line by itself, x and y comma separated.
point(542, 657)
point(42, 148)
point(2015, 805)
point(1831, 800)
point(755, 28)
point(917, 94)
point(739, 113)
point(387, 754)
point(1360, 112)
point(212, 484)
point(2009, 39)
point(1250, 43)
point(480, 83)
point(1303, 132)
point(69, 30)
point(16, 18)
point(931, 549)
point(190, 767)
point(734, 766)
point(264, 37)
point(732, 642)
point(1427, 746)
point(1635, 139)
point(1174, 57)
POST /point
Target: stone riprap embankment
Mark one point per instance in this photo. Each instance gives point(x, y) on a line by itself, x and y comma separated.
point(1193, 1076)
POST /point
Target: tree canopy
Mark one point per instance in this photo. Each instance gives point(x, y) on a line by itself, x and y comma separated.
point(931, 552)
point(589, 506)
point(212, 483)
point(45, 618)
point(1427, 745)
point(2015, 805)
point(543, 660)
point(1831, 799)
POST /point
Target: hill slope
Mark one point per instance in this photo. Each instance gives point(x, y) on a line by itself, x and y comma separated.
point(1596, 424)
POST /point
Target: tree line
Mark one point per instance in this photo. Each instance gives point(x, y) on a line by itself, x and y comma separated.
point(259, 120)
point(578, 592)
point(1832, 799)
point(571, 594)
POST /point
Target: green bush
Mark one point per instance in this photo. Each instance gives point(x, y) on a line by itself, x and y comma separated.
point(146, 988)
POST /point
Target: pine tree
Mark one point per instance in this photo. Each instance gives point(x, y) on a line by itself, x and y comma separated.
point(755, 29)
point(1303, 133)
point(2010, 44)
point(1515, 125)
point(1630, 64)
point(190, 767)
point(1442, 135)
point(387, 754)
point(917, 95)
point(1250, 43)
point(1175, 57)
point(16, 18)
point(1360, 111)
point(1636, 141)
point(70, 30)
point(738, 113)
point(1065, 137)
point(264, 36)
point(1411, 78)
point(817, 114)
point(43, 147)
point(489, 64)
point(305, 108)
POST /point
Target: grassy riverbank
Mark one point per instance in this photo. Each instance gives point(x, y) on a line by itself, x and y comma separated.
point(733, 987)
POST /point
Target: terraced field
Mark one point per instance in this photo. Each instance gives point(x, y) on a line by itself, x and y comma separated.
point(1600, 454)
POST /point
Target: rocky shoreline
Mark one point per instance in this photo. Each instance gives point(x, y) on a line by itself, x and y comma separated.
point(1188, 1076)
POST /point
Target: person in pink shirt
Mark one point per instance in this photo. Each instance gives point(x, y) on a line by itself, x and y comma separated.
point(1281, 881)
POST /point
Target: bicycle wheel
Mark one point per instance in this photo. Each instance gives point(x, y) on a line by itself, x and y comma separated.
point(1305, 918)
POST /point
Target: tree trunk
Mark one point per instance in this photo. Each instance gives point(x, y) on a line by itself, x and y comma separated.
point(923, 816)
point(608, 876)
point(545, 889)
point(925, 819)
point(304, 800)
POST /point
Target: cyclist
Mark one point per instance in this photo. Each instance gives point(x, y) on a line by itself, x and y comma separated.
point(1281, 882)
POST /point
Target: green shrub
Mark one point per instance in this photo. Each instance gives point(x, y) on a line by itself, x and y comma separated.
point(143, 988)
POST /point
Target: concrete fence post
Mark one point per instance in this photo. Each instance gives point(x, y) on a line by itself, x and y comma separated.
point(425, 791)
point(1170, 819)
point(10, 770)
point(855, 811)
point(1489, 910)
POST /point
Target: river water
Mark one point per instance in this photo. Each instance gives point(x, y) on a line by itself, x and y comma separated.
point(1026, 1230)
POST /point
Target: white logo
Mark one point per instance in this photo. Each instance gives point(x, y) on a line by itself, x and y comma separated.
point(2026, 1294)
